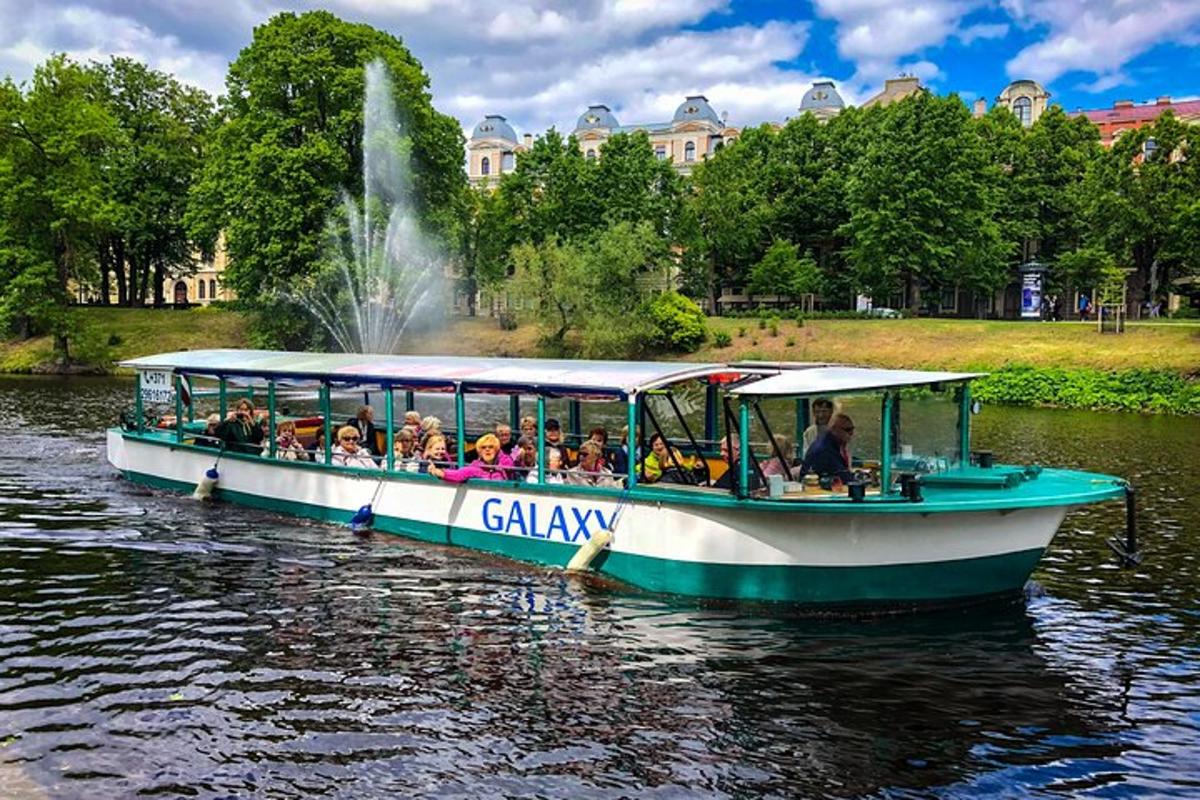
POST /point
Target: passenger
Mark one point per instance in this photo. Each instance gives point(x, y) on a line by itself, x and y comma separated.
point(529, 427)
point(524, 459)
point(287, 446)
point(430, 426)
point(435, 453)
point(822, 410)
point(830, 455)
point(589, 471)
point(241, 431)
point(412, 421)
point(348, 452)
point(486, 467)
point(621, 454)
point(210, 437)
point(732, 457)
point(554, 467)
point(504, 434)
point(364, 423)
point(775, 466)
point(555, 438)
point(665, 463)
point(405, 457)
point(599, 435)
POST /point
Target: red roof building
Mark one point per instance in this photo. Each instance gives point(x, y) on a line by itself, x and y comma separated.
point(1125, 115)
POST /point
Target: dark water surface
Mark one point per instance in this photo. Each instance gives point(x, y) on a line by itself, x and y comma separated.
point(153, 646)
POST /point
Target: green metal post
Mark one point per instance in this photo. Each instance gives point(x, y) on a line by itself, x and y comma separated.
point(574, 424)
point(743, 464)
point(178, 410)
point(137, 402)
point(460, 422)
point(885, 459)
point(514, 413)
point(541, 439)
point(802, 422)
point(191, 405)
point(222, 400)
point(271, 417)
point(410, 401)
point(964, 426)
point(631, 440)
point(326, 424)
point(389, 419)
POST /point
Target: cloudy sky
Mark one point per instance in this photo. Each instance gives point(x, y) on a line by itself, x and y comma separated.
point(540, 62)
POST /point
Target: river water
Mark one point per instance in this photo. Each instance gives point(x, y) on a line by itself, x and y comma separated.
point(153, 646)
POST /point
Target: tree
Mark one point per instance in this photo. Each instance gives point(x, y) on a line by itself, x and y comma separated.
point(486, 236)
point(54, 143)
point(783, 272)
point(917, 215)
point(1140, 195)
point(292, 139)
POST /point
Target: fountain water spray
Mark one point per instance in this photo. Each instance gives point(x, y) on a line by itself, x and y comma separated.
point(379, 269)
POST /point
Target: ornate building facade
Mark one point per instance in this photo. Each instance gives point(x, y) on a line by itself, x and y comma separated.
point(1125, 115)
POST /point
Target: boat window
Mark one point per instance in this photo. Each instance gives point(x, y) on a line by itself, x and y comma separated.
point(926, 430)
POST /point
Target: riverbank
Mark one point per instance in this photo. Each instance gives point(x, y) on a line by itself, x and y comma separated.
point(1150, 368)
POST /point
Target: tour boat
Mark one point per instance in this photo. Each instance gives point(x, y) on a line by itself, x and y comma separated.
point(923, 520)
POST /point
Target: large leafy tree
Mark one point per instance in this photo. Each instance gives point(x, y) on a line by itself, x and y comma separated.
point(162, 124)
point(55, 142)
point(292, 139)
point(917, 215)
point(1142, 196)
point(550, 194)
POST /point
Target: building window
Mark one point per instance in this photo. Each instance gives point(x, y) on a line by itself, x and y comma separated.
point(485, 166)
point(507, 163)
point(1149, 147)
point(660, 152)
point(1023, 108)
point(689, 151)
point(591, 154)
point(201, 287)
point(212, 289)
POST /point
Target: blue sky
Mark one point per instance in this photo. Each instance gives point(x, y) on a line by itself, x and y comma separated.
point(540, 62)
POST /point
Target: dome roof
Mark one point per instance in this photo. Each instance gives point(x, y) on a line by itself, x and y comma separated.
point(596, 116)
point(822, 95)
point(494, 126)
point(696, 107)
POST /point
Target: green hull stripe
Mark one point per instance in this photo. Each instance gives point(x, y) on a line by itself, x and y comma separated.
point(896, 583)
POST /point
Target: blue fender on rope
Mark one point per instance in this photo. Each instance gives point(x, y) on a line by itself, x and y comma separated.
point(362, 518)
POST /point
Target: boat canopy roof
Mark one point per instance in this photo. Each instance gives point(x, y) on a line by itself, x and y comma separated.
point(603, 378)
point(839, 380)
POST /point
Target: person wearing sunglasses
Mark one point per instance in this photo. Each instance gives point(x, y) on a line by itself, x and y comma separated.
point(829, 455)
point(491, 464)
point(348, 451)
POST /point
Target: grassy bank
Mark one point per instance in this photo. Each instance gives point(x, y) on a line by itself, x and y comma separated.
point(1151, 367)
point(110, 335)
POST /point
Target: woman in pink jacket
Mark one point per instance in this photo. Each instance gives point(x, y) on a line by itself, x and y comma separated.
point(489, 466)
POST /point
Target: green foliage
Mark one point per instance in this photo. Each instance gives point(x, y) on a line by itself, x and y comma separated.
point(742, 332)
point(721, 339)
point(783, 272)
point(762, 323)
point(1149, 390)
point(791, 341)
point(679, 324)
point(774, 327)
point(292, 139)
point(1085, 267)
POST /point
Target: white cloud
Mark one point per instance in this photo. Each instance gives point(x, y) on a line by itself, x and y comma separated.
point(983, 31)
point(1097, 36)
point(878, 34)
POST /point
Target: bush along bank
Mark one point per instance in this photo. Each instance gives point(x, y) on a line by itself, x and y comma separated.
point(1144, 390)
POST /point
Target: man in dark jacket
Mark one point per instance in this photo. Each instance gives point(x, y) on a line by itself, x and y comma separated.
point(364, 423)
point(829, 455)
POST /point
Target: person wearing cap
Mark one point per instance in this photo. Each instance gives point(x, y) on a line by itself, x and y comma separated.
point(554, 438)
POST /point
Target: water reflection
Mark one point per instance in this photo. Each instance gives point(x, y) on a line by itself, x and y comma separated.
point(152, 645)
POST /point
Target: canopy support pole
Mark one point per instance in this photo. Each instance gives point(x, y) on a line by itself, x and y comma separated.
point(630, 441)
point(743, 462)
point(222, 399)
point(139, 423)
point(514, 413)
point(410, 401)
point(178, 409)
point(885, 460)
point(964, 426)
point(460, 423)
point(710, 412)
point(573, 421)
point(541, 438)
point(271, 417)
point(389, 419)
point(802, 423)
point(326, 427)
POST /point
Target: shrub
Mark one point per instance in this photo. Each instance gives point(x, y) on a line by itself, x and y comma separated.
point(742, 332)
point(114, 339)
point(1186, 312)
point(754, 342)
point(507, 320)
point(762, 324)
point(722, 339)
point(678, 322)
point(791, 341)
point(773, 327)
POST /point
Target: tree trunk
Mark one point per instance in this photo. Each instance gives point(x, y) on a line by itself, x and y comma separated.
point(119, 268)
point(105, 267)
point(160, 277)
point(144, 282)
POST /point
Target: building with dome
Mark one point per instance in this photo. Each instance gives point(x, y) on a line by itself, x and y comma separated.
point(822, 101)
point(492, 150)
point(692, 134)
